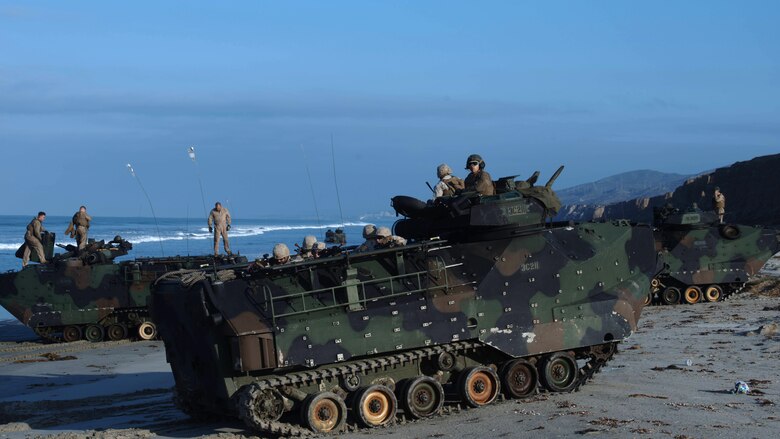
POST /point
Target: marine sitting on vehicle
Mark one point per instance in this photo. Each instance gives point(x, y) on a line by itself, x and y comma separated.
point(478, 179)
point(448, 184)
point(369, 235)
point(386, 239)
point(281, 254)
point(305, 250)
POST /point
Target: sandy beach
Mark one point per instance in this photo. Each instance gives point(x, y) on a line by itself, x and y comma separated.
point(123, 389)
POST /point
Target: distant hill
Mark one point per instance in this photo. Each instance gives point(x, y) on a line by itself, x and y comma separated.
point(750, 188)
point(621, 187)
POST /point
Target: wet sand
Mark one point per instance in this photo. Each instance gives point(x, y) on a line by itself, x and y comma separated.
point(123, 389)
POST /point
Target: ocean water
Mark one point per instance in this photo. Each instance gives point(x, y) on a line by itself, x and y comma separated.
point(177, 236)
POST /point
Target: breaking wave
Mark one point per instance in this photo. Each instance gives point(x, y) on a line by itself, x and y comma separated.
point(202, 233)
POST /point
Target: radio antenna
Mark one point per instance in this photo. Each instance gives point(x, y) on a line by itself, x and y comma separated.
point(335, 181)
point(156, 224)
point(311, 186)
point(191, 153)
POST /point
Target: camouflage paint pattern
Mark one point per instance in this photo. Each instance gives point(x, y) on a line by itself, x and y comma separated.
point(81, 288)
point(518, 292)
point(697, 251)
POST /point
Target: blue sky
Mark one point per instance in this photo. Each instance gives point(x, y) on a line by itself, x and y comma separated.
point(601, 87)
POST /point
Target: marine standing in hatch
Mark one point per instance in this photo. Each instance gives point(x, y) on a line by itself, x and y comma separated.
point(79, 227)
point(33, 239)
point(448, 184)
point(478, 180)
point(220, 219)
point(719, 203)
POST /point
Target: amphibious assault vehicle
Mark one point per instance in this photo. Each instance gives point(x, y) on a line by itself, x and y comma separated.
point(486, 297)
point(86, 294)
point(703, 259)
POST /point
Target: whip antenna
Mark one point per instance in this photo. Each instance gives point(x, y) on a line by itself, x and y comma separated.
point(159, 235)
point(311, 186)
point(191, 153)
point(187, 230)
point(335, 181)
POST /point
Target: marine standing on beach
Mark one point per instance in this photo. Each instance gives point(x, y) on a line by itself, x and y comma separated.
point(79, 227)
point(478, 180)
point(33, 239)
point(448, 184)
point(719, 203)
point(219, 223)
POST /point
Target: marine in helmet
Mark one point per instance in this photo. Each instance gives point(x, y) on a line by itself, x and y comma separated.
point(448, 184)
point(478, 179)
point(281, 254)
point(386, 239)
point(319, 248)
point(79, 227)
point(719, 203)
point(219, 223)
point(369, 235)
point(306, 249)
point(33, 240)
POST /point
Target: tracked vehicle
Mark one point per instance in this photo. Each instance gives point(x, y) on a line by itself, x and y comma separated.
point(703, 259)
point(486, 298)
point(87, 295)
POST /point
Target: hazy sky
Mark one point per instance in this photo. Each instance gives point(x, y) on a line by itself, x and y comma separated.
point(601, 87)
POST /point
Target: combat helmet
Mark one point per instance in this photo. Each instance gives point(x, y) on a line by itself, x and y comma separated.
point(475, 158)
point(444, 169)
point(308, 242)
point(383, 232)
point(368, 231)
point(281, 251)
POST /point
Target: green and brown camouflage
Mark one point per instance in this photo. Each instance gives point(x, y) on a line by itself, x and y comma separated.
point(705, 260)
point(87, 294)
point(502, 300)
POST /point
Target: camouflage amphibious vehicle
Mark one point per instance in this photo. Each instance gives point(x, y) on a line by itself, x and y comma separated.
point(88, 295)
point(705, 260)
point(504, 302)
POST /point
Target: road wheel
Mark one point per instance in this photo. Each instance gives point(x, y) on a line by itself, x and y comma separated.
point(147, 331)
point(692, 294)
point(713, 293)
point(479, 385)
point(648, 299)
point(375, 406)
point(421, 397)
point(71, 334)
point(559, 372)
point(670, 296)
point(519, 378)
point(94, 333)
point(256, 406)
point(117, 331)
point(324, 412)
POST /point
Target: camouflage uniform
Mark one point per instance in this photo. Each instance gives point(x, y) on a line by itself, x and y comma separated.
point(32, 241)
point(79, 228)
point(221, 222)
point(448, 184)
point(479, 181)
point(719, 203)
point(369, 234)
